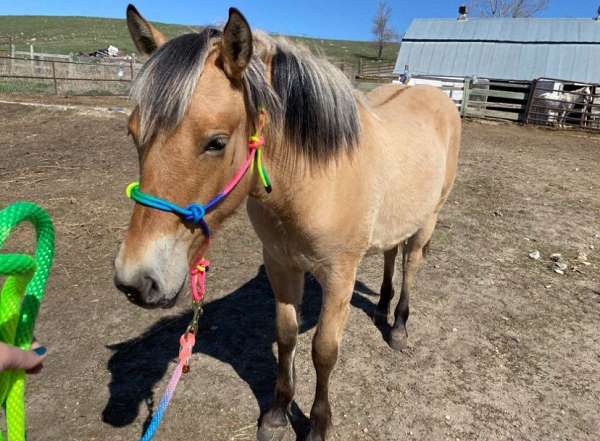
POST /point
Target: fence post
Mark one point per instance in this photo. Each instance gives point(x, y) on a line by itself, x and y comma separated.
point(131, 68)
point(54, 78)
point(530, 98)
point(12, 56)
point(466, 93)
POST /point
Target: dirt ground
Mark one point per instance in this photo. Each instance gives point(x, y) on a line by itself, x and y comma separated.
point(502, 347)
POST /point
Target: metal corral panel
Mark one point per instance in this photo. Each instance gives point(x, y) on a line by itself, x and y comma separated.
point(503, 48)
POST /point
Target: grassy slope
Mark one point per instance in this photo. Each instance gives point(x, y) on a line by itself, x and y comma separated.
point(80, 34)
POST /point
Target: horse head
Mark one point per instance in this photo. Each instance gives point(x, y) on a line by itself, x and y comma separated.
point(190, 126)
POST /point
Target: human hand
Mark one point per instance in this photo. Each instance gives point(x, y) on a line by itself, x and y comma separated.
point(15, 358)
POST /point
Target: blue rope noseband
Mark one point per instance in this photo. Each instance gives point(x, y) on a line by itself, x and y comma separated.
point(193, 213)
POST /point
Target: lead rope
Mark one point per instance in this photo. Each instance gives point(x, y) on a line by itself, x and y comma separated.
point(186, 345)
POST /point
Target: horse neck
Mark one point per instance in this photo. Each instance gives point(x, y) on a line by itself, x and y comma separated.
point(290, 176)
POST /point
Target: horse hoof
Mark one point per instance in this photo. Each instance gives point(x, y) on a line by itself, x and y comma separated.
point(379, 318)
point(273, 432)
point(312, 436)
point(398, 340)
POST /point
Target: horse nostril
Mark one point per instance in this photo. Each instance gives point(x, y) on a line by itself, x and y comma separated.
point(140, 290)
point(133, 293)
point(151, 284)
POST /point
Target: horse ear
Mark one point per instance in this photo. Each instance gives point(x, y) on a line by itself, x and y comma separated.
point(236, 48)
point(145, 36)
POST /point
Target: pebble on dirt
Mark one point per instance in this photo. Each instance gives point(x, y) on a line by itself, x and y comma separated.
point(560, 267)
point(535, 255)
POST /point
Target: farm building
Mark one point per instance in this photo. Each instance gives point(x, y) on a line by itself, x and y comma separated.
point(552, 60)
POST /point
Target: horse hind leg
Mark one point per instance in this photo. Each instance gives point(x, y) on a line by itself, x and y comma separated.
point(414, 250)
point(387, 287)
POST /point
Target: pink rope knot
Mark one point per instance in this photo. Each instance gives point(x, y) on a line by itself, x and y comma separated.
point(199, 279)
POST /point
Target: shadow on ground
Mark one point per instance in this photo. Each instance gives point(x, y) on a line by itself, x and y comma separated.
point(238, 329)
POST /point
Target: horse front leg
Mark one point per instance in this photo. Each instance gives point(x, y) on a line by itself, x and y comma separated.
point(288, 286)
point(338, 285)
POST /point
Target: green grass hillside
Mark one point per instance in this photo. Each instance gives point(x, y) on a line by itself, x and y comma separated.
point(81, 34)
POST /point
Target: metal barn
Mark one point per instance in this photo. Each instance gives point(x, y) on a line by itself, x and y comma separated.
point(522, 69)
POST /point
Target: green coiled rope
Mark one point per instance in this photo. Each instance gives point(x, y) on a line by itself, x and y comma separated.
point(20, 299)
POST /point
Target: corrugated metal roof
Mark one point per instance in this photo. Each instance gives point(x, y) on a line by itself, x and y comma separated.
point(503, 48)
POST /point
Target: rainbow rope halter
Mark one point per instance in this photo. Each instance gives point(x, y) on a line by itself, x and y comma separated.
point(195, 213)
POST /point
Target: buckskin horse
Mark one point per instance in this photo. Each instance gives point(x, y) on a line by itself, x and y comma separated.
point(350, 175)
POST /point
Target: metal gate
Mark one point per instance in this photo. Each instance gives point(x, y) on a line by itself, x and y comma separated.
point(564, 104)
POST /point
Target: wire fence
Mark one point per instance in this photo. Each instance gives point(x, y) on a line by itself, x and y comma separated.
point(42, 76)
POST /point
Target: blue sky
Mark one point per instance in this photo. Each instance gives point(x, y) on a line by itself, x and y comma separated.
point(338, 19)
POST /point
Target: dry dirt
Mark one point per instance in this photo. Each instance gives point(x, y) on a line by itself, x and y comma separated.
point(502, 348)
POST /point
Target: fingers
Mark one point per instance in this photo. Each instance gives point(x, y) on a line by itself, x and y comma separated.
point(15, 358)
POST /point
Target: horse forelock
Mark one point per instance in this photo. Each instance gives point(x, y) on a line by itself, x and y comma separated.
point(310, 103)
point(164, 87)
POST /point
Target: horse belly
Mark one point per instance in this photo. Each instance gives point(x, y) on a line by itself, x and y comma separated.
point(410, 201)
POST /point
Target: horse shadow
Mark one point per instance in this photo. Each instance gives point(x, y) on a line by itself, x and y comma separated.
point(238, 329)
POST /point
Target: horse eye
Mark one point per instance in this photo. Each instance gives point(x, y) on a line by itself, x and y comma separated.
point(217, 144)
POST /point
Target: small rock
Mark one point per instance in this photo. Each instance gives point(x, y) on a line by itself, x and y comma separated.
point(548, 286)
point(557, 271)
point(535, 255)
point(556, 257)
point(498, 213)
point(366, 430)
point(436, 266)
point(586, 263)
point(560, 266)
point(454, 330)
point(591, 247)
point(582, 257)
point(447, 417)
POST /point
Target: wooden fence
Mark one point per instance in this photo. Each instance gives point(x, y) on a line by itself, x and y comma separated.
point(25, 75)
point(549, 102)
point(495, 99)
point(375, 70)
